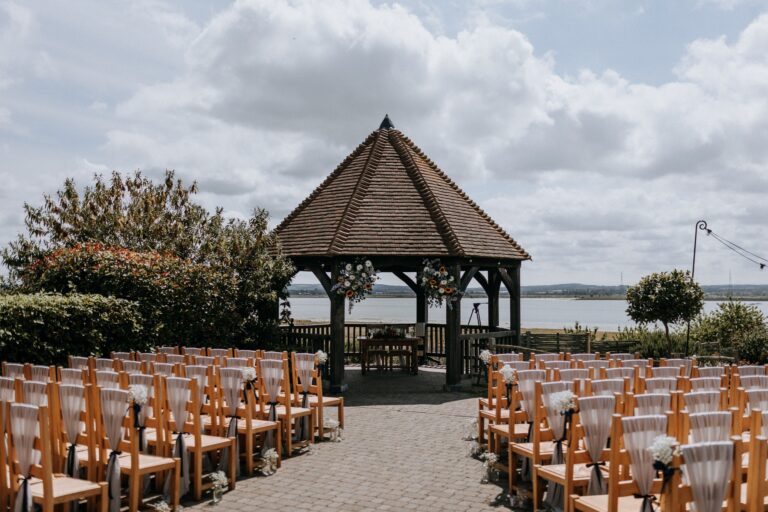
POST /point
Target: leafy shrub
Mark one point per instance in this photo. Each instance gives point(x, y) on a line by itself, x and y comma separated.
point(45, 328)
point(722, 329)
point(180, 302)
point(752, 346)
point(654, 342)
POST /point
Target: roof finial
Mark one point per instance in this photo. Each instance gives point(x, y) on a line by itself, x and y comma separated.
point(386, 124)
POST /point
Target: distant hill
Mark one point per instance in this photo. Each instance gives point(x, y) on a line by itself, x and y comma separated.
point(575, 290)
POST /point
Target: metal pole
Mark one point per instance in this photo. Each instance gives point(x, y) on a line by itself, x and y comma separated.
point(702, 224)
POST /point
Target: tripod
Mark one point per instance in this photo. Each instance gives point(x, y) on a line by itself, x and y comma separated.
point(479, 369)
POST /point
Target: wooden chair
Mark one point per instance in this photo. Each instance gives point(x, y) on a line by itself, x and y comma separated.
point(219, 353)
point(168, 350)
point(150, 418)
point(628, 490)
point(240, 417)
point(104, 364)
point(40, 373)
point(34, 478)
point(147, 357)
point(7, 389)
point(753, 495)
point(593, 426)
point(275, 397)
point(509, 421)
point(73, 376)
point(713, 477)
point(78, 362)
point(175, 359)
point(183, 433)
point(32, 392)
point(118, 447)
point(106, 379)
point(248, 354)
point(624, 372)
point(131, 367)
point(122, 356)
point(13, 370)
point(193, 351)
point(317, 401)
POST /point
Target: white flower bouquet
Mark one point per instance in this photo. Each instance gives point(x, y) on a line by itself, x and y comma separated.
point(563, 401)
point(269, 462)
point(138, 394)
point(219, 480)
point(485, 356)
point(439, 285)
point(161, 506)
point(355, 281)
point(249, 374)
point(508, 374)
point(322, 357)
point(335, 428)
point(664, 449)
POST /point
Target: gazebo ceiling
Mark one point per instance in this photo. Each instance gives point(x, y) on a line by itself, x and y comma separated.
point(388, 198)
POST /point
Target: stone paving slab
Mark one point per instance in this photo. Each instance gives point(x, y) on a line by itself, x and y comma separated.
point(402, 450)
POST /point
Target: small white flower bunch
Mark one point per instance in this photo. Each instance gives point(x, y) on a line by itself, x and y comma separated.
point(335, 427)
point(138, 394)
point(219, 480)
point(249, 374)
point(490, 459)
point(322, 357)
point(663, 449)
point(508, 374)
point(355, 281)
point(474, 448)
point(563, 401)
point(161, 506)
point(269, 462)
point(470, 430)
point(485, 356)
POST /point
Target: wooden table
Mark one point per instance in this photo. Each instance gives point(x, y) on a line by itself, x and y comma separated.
point(388, 347)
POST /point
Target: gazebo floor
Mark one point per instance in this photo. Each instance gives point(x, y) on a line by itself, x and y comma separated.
point(402, 450)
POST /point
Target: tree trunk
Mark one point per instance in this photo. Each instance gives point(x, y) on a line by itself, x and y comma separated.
point(669, 340)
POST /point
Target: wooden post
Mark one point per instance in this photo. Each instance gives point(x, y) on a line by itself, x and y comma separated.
point(453, 361)
point(511, 278)
point(492, 291)
point(422, 308)
point(338, 313)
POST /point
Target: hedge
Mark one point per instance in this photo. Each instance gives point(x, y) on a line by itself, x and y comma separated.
point(45, 328)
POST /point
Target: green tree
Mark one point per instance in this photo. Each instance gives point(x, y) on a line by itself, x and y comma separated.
point(666, 297)
point(135, 213)
point(727, 325)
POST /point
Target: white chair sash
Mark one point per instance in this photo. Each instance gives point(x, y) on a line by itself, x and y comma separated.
point(667, 372)
point(705, 383)
point(686, 363)
point(518, 366)
point(107, 379)
point(179, 394)
point(236, 362)
point(546, 357)
point(707, 469)
point(750, 370)
point(205, 360)
point(596, 364)
point(175, 359)
point(35, 393)
point(711, 371)
point(246, 353)
point(40, 373)
point(595, 414)
point(123, 356)
point(625, 372)
point(277, 356)
point(638, 363)
point(651, 404)
point(305, 364)
point(105, 364)
point(583, 357)
point(231, 383)
point(167, 350)
point(72, 398)
point(557, 365)
point(702, 401)
point(131, 367)
point(78, 362)
point(754, 381)
point(147, 357)
point(526, 382)
point(558, 426)
point(114, 408)
point(660, 384)
point(164, 369)
point(25, 428)
point(511, 357)
point(710, 426)
point(219, 352)
point(272, 375)
point(639, 434)
point(607, 387)
point(757, 399)
point(72, 376)
point(7, 389)
point(193, 351)
point(573, 374)
point(14, 370)
point(621, 356)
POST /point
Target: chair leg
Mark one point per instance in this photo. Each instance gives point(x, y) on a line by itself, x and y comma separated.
point(340, 413)
point(535, 482)
point(104, 500)
point(279, 444)
point(232, 466)
point(198, 456)
point(287, 440)
point(480, 429)
point(249, 452)
point(135, 482)
point(176, 492)
point(320, 421)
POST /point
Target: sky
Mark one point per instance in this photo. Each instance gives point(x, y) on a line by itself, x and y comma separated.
point(596, 132)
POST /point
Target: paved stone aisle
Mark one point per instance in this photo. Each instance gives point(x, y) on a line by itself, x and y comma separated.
point(402, 450)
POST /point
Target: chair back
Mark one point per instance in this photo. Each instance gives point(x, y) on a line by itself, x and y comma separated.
point(652, 404)
point(702, 401)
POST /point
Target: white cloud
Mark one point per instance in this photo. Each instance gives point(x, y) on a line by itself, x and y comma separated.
point(263, 100)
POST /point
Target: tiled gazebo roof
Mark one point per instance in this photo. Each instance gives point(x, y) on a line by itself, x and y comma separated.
point(388, 198)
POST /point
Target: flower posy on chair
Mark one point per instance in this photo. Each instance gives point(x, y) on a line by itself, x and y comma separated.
point(438, 284)
point(355, 281)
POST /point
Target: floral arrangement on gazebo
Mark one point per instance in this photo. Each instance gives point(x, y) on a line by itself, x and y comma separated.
point(439, 285)
point(355, 280)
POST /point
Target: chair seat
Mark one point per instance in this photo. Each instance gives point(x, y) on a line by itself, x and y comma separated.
point(520, 430)
point(256, 425)
point(490, 414)
point(147, 463)
point(328, 401)
point(207, 442)
point(546, 449)
point(295, 411)
point(556, 473)
point(65, 489)
point(599, 503)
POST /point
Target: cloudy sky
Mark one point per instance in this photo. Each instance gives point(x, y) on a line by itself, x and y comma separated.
point(596, 132)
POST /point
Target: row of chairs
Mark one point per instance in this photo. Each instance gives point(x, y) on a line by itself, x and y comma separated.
point(196, 419)
point(696, 405)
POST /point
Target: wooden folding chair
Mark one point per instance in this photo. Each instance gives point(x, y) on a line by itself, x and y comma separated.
point(182, 399)
point(317, 400)
point(117, 438)
point(25, 425)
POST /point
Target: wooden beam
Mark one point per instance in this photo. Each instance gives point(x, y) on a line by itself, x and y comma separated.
point(407, 280)
point(325, 281)
point(338, 312)
point(480, 278)
point(453, 362)
point(511, 279)
point(467, 277)
point(494, 283)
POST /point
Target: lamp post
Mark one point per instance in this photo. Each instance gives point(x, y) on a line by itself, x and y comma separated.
point(700, 225)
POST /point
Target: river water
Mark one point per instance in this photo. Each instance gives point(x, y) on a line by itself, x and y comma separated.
point(606, 315)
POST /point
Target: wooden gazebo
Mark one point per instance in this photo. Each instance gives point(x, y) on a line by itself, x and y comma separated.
point(389, 202)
